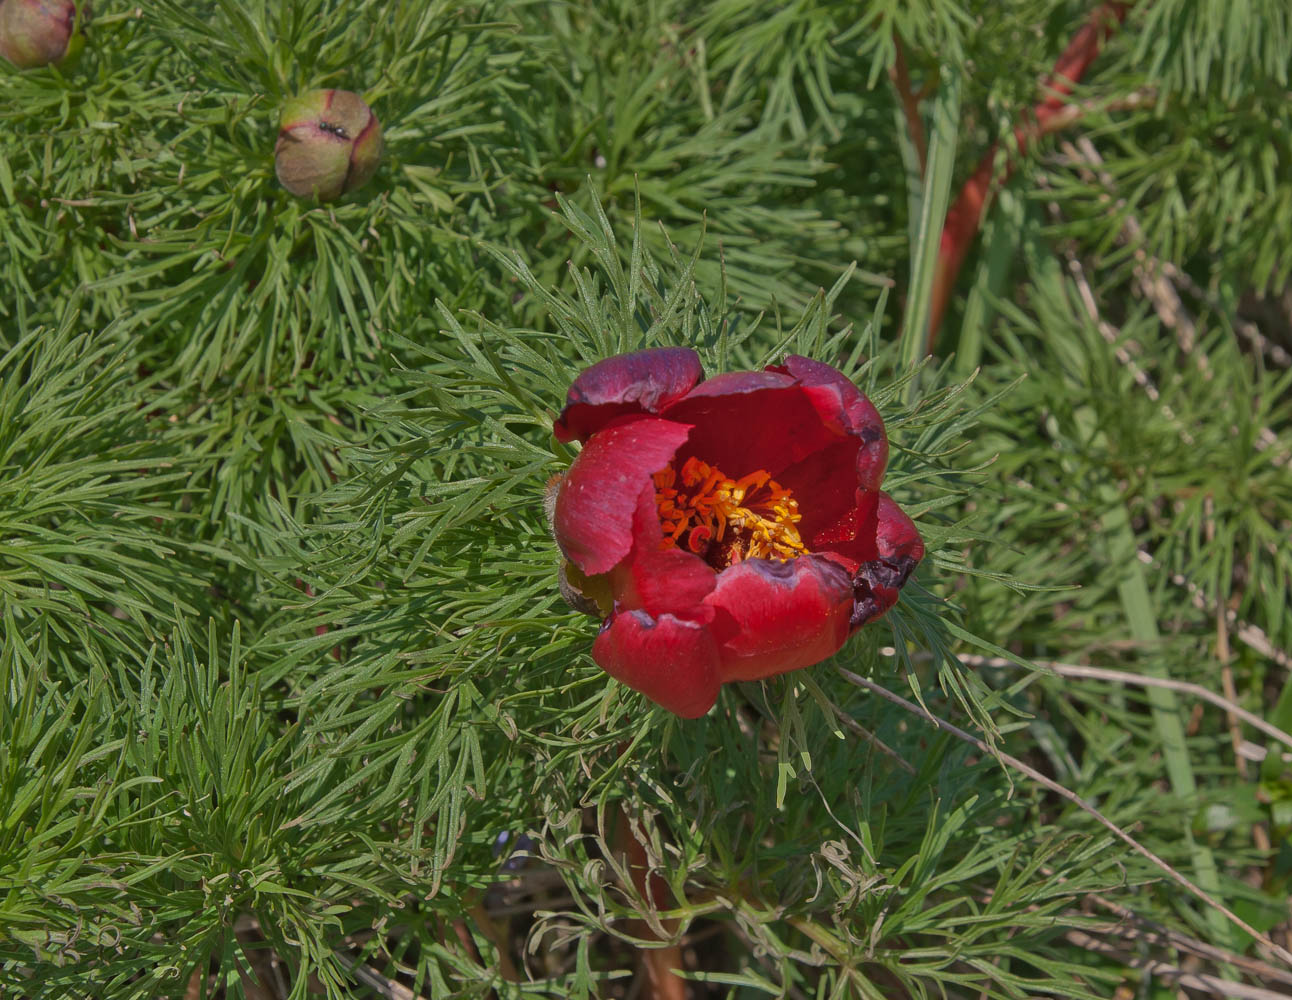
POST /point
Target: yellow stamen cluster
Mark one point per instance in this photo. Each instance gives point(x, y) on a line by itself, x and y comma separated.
point(727, 520)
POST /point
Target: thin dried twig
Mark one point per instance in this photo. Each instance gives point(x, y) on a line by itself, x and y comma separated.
point(851, 723)
point(1248, 330)
point(1174, 974)
point(1158, 285)
point(1153, 280)
point(1051, 785)
point(375, 981)
point(1247, 633)
point(1250, 635)
point(1134, 927)
point(1114, 338)
point(1225, 657)
point(1141, 680)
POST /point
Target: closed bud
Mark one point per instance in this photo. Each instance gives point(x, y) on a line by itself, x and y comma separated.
point(41, 32)
point(329, 143)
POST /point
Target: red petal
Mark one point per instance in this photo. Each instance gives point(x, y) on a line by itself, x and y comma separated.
point(779, 616)
point(643, 382)
point(738, 383)
point(661, 581)
point(852, 534)
point(878, 582)
point(827, 494)
point(844, 408)
point(744, 421)
point(593, 521)
point(897, 537)
point(671, 581)
point(674, 663)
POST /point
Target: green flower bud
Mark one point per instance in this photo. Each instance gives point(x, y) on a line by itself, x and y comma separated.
point(329, 143)
point(40, 32)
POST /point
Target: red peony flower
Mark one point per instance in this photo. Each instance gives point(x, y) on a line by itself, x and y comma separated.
point(729, 529)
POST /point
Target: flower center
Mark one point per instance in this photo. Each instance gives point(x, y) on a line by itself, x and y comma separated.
point(727, 520)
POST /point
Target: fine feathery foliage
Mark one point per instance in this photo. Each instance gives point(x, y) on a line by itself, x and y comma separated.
point(290, 703)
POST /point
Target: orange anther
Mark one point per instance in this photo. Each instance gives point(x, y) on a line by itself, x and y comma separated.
point(727, 520)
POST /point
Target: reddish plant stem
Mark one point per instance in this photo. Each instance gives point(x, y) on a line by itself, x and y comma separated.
point(657, 963)
point(965, 216)
point(910, 101)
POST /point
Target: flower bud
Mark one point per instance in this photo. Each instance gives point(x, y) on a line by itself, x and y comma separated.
point(329, 143)
point(40, 32)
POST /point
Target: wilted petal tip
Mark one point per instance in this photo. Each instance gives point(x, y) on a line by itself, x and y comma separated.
point(644, 381)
